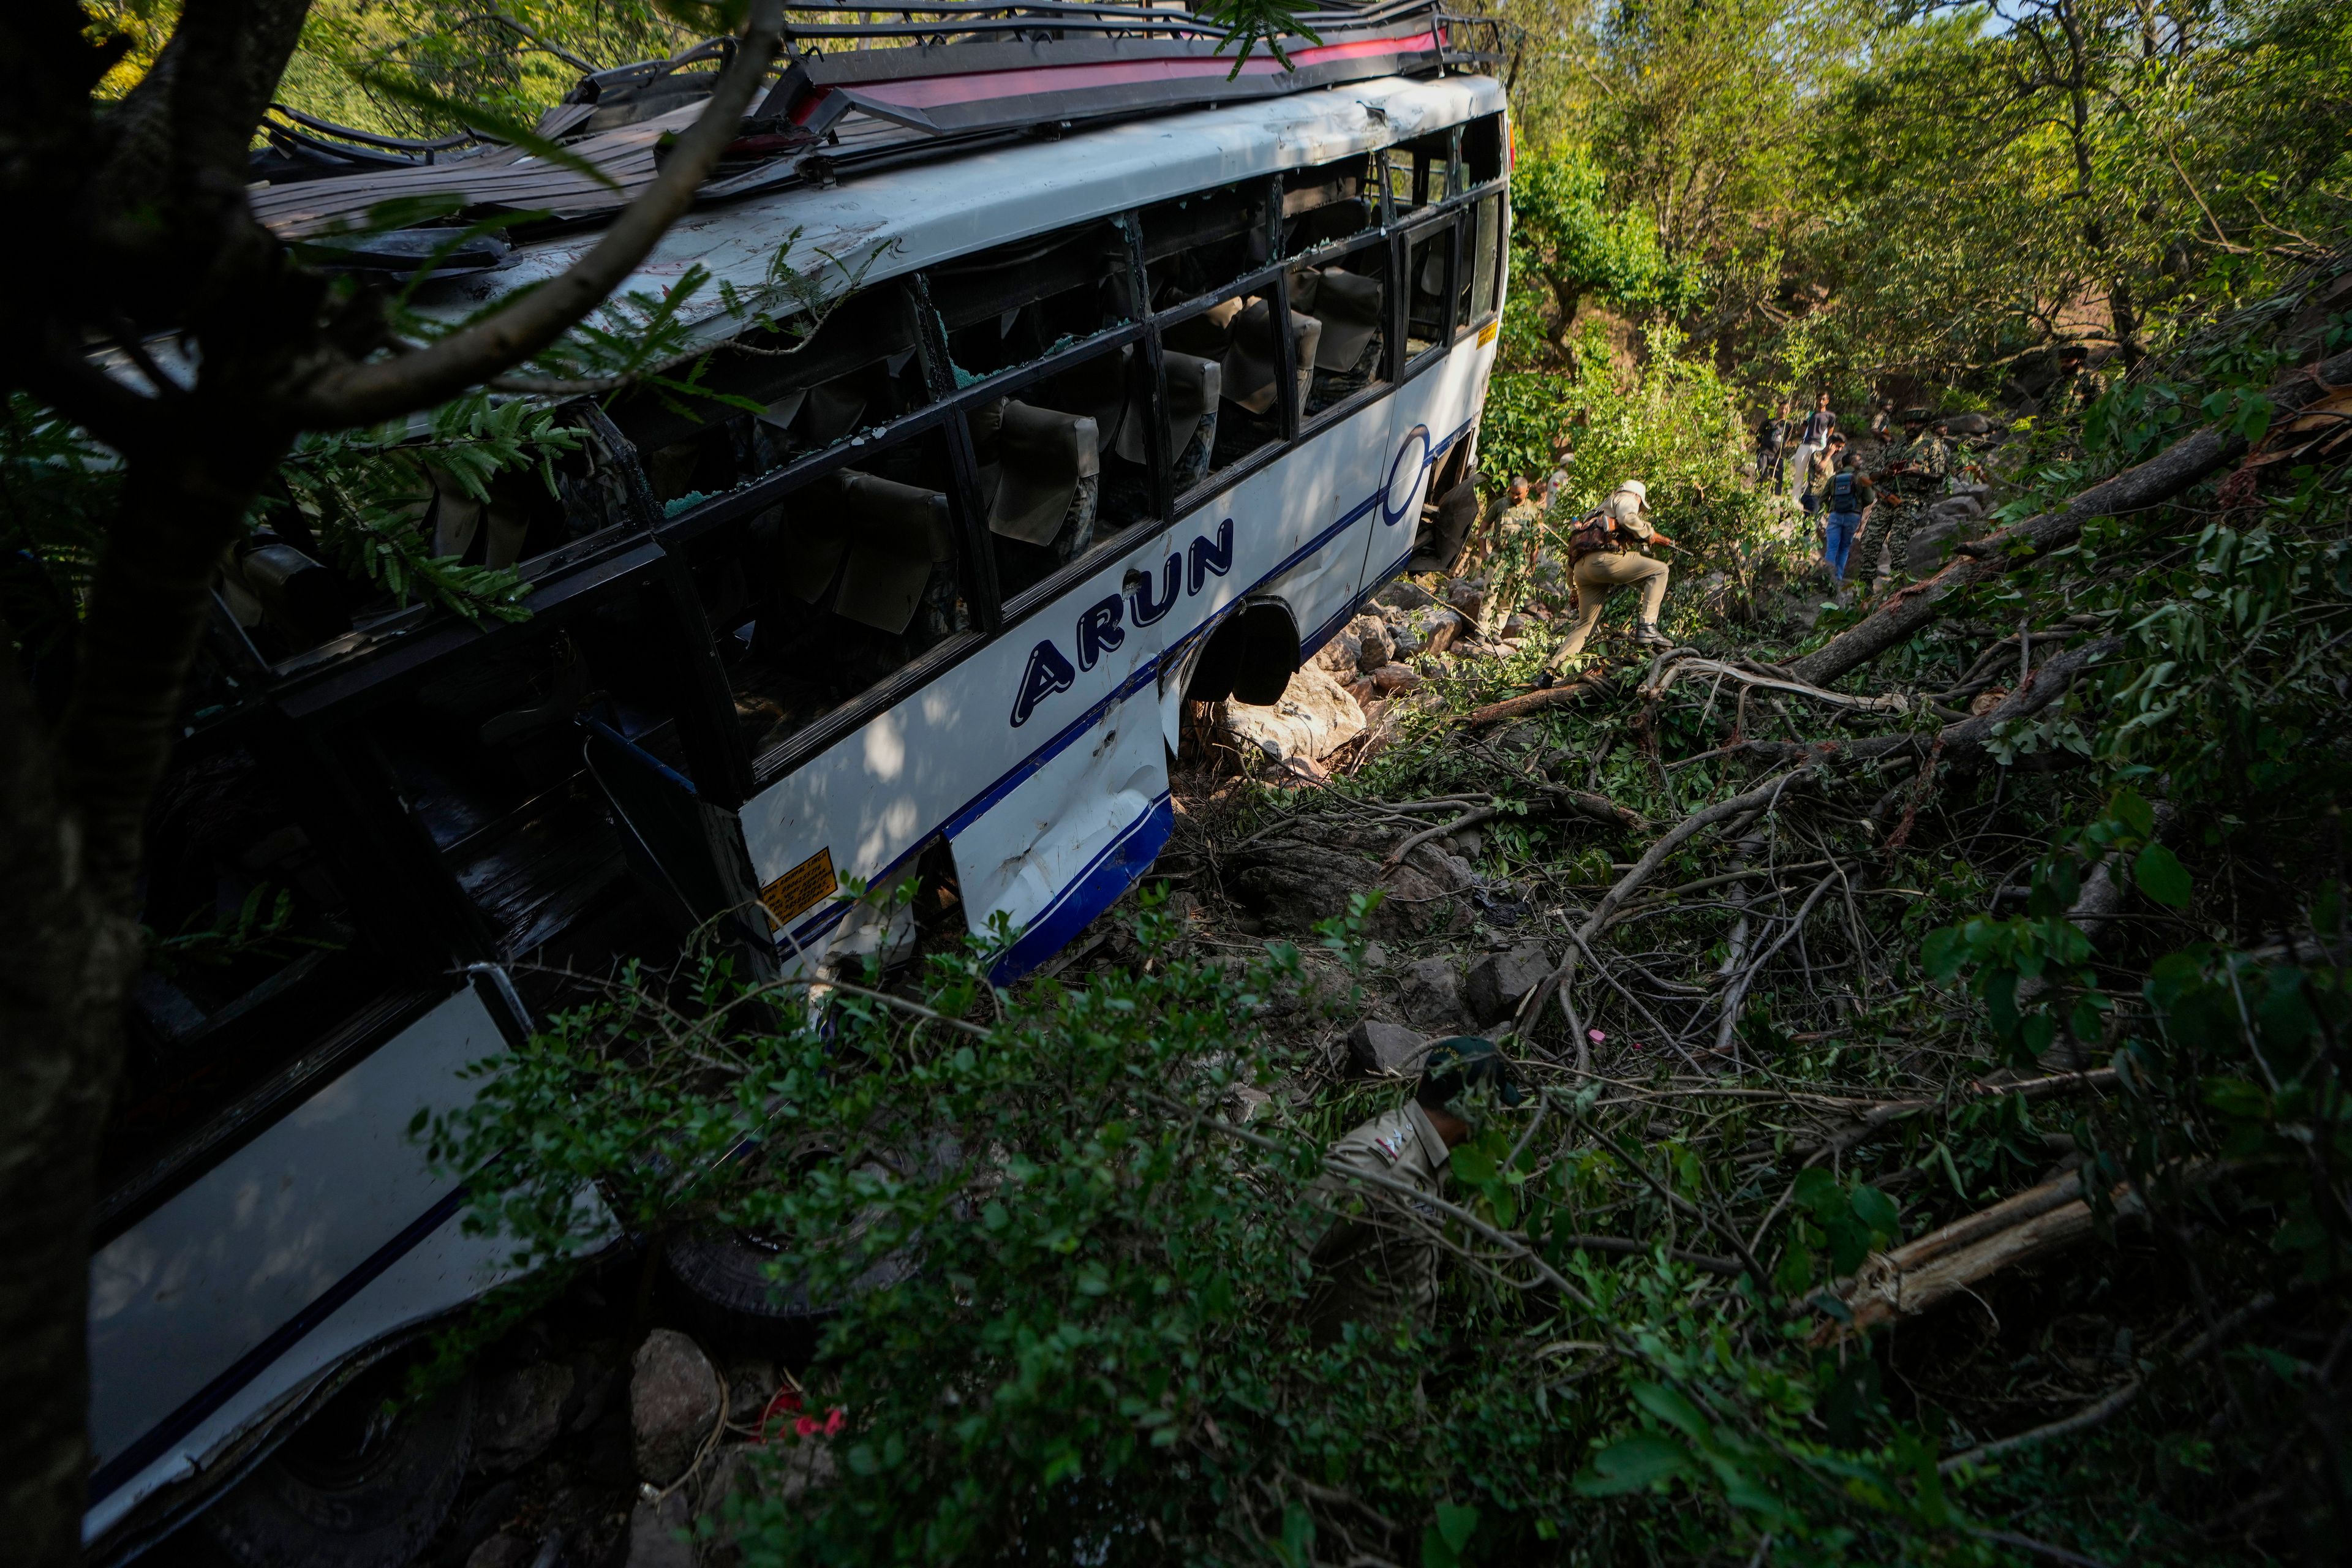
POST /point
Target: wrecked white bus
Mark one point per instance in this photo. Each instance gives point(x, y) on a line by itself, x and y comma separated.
point(1152, 376)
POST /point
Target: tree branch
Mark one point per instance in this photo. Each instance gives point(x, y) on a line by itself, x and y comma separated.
point(382, 388)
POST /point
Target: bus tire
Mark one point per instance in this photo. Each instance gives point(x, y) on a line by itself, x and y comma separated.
point(353, 1487)
point(723, 1276)
point(1250, 658)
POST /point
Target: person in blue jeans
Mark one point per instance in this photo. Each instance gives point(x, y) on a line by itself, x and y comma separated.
point(1848, 497)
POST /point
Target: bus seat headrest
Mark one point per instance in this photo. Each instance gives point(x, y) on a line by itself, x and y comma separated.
point(1348, 306)
point(1040, 457)
point(1191, 392)
point(893, 537)
point(1249, 358)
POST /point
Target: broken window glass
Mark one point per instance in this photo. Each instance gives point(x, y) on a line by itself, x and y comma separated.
point(846, 580)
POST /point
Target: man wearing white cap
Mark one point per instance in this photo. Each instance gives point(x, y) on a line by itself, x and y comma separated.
point(1606, 556)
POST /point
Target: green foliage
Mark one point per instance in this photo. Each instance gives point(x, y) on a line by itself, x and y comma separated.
point(364, 494)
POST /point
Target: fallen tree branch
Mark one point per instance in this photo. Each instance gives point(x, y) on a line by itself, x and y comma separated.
point(1879, 1118)
point(1892, 702)
point(2160, 478)
point(2115, 1399)
point(1587, 685)
point(1532, 1006)
point(1467, 819)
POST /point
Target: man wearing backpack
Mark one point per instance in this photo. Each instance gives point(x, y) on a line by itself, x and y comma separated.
point(1604, 554)
point(1850, 497)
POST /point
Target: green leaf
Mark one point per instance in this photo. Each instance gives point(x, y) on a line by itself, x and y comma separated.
point(1876, 1210)
point(1473, 1165)
point(2162, 876)
point(1634, 1464)
point(2133, 812)
point(1454, 1522)
point(1673, 1409)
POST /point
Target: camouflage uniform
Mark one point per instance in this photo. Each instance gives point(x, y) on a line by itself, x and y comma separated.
point(1516, 540)
point(1919, 487)
point(1377, 1266)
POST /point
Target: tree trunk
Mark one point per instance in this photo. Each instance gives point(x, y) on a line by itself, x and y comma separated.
point(58, 993)
point(72, 811)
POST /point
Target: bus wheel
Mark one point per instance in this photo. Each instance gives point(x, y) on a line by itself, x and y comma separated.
point(364, 1483)
point(1251, 657)
point(725, 1278)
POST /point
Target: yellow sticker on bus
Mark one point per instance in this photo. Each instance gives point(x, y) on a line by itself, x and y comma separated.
point(800, 889)
point(1486, 333)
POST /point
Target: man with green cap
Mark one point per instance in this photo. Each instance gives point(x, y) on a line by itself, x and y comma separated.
point(1376, 1264)
point(1911, 484)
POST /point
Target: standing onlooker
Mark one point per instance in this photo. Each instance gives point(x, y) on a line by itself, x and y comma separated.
point(1818, 470)
point(1812, 437)
point(1848, 496)
point(1770, 437)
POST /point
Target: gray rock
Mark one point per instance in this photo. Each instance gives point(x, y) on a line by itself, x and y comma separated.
point(1500, 981)
point(1968, 425)
point(1930, 542)
point(520, 1415)
point(1429, 993)
point(1404, 594)
point(657, 1532)
point(1470, 842)
point(1468, 596)
point(1374, 646)
point(1341, 654)
point(674, 1405)
point(1381, 1048)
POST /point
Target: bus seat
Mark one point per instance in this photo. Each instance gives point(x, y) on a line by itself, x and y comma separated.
point(1102, 389)
point(1433, 271)
point(1348, 306)
point(901, 550)
point(779, 415)
point(834, 411)
point(1207, 333)
point(457, 516)
point(1193, 387)
point(815, 535)
point(1248, 371)
point(1042, 490)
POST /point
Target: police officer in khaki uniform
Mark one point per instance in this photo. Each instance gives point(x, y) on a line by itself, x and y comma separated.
point(1376, 1264)
point(1595, 575)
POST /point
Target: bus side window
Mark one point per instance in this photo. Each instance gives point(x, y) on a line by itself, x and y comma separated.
point(1347, 296)
point(844, 580)
point(1475, 288)
point(1227, 356)
point(857, 370)
point(1063, 464)
point(1198, 244)
point(1325, 205)
point(1485, 274)
point(1428, 259)
point(1482, 149)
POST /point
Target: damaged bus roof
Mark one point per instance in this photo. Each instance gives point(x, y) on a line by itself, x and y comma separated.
point(909, 217)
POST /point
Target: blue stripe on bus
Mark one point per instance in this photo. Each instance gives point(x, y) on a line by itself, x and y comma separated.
point(110, 1476)
point(1115, 869)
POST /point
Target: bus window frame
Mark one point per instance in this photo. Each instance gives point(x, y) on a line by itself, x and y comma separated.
point(1000, 615)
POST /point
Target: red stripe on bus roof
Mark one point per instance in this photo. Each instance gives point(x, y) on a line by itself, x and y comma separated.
point(926, 92)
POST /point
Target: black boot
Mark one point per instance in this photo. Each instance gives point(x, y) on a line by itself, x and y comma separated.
point(1647, 634)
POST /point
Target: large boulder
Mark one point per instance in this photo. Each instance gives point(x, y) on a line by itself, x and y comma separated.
point(1429, 994)
point(675, 1400)
point(1931, 541)
point(520, 1415)
point(1293, 881)
point(1500, 981)
point(1968, 425)
point(1314, 717)
point(1384, 1049)
point(657, 1533)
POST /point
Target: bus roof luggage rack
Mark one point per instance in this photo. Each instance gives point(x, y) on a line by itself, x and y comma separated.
point(951, 74)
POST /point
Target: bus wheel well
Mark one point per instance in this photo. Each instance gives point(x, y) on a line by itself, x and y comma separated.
point(1252, 656)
